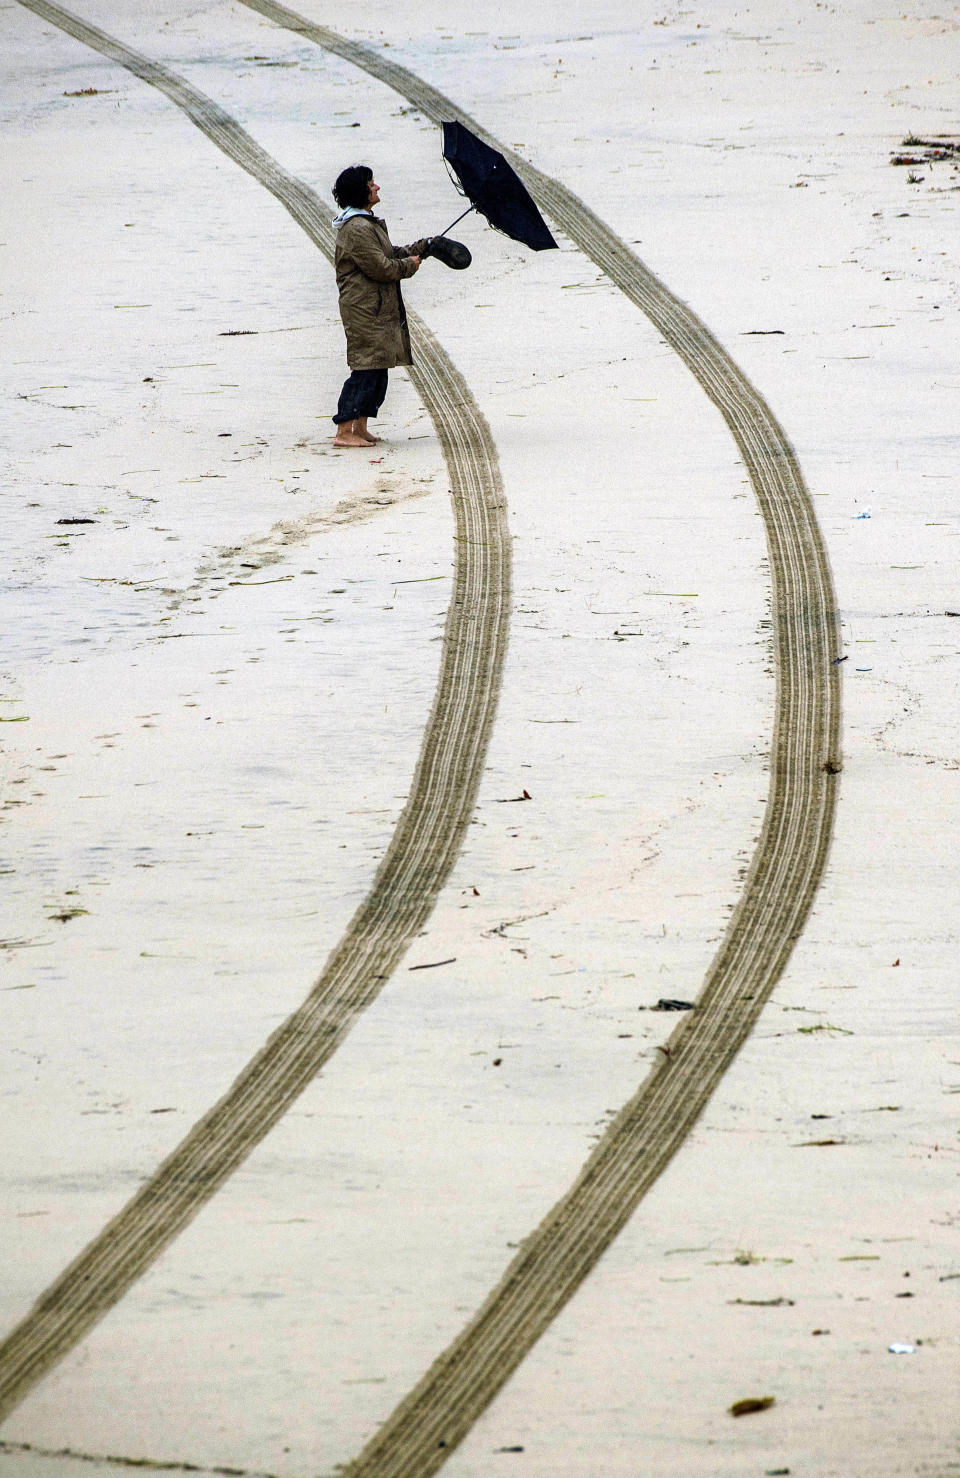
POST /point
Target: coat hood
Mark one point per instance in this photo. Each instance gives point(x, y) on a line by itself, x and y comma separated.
point(350, 210)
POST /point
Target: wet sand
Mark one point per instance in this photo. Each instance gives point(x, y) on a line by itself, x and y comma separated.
point(213, 773)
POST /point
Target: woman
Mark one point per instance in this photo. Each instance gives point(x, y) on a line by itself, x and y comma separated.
point(369, 268)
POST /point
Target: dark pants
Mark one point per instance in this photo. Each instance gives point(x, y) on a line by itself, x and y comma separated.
point(362, 395)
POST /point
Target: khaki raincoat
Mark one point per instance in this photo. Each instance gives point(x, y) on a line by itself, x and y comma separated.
point(369, 268)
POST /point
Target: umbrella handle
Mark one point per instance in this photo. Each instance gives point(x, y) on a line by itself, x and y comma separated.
point(459, 218)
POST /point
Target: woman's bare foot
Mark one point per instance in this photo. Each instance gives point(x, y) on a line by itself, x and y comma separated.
point(360, 426)
point(348, 435)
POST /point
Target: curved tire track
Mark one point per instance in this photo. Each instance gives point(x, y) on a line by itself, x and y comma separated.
point(785, 871)
point(422, 850)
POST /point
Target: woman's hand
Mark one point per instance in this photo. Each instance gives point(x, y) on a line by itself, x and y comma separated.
point(416, 263)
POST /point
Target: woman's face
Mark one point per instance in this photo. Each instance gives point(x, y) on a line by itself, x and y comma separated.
point(373, 193)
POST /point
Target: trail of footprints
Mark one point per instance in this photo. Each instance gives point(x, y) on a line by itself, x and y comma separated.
point(237, 564)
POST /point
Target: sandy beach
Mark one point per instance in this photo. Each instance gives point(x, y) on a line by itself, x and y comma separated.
point(346, 1128)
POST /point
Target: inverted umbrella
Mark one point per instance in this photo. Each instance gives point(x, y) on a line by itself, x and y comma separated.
point(494, 188)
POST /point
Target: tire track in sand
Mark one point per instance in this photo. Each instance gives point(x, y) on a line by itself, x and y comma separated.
point(417, 862)
point(778, 891)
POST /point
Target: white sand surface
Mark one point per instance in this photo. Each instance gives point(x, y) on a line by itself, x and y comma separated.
point(206, 748)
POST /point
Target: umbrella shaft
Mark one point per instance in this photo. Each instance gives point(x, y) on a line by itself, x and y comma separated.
point(459, 218)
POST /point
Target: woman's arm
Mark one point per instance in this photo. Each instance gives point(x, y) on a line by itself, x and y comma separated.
point(416, 249)
point(362, 242)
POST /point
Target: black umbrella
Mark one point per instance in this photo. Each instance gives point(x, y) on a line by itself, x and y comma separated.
point(494, 188)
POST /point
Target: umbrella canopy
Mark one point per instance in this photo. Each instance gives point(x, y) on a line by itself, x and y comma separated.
point(494, 188)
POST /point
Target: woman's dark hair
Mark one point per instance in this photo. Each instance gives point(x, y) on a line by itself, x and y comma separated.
point(351, 187)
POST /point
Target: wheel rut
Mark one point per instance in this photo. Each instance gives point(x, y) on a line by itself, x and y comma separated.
point(421, 852)
point(784, 873)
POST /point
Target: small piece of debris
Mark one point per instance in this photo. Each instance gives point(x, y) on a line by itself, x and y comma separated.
point(508, 800)
point(750, 1404)
point(432, 964)
point(76, 520)
point(899, 1349)
point(667, 1003)
point(764, 1303)
point(945, 143)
